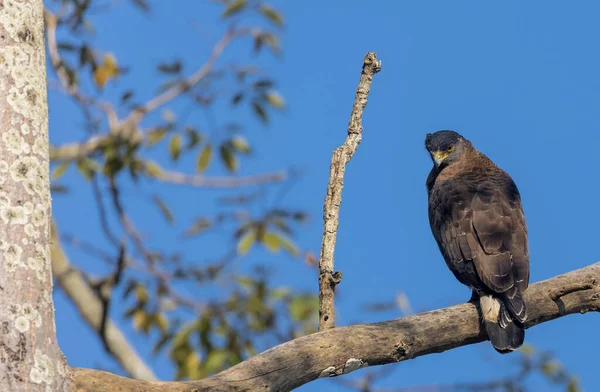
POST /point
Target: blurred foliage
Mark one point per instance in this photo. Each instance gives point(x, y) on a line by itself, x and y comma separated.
point(536, 371)
point(201, 333)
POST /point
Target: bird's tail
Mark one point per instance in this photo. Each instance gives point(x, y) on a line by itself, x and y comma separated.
point(505, 332)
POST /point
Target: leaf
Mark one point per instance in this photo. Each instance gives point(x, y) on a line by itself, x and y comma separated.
point(237, 98)
point(280, 293)
point(182, 337)
point(164, 209)
point(197, 227)
point(573, 385)
point(263, 83)
point(112, 166)
point(301, 307)
point(230, 160)
point(141, 293)
point(192, 364)
point(161, 343)
point(288, 245)
point(162, 322)
point(235, 7)
point(275, 99)
point(193, 137)
point(140, 319)
point(272, 241)
point(271, 14)
point(142, 4)
point(153, 169)
point(87, 168)
point(57, 189)
point(527, 350)
point(72, 76)
point(131, 284)
point(106, 71)
point(246, 241)
point(215, 360)
point(240, 144)
point(175, 147)
point(246, 282)
point(60, 170)
point(156, 135)
point(550, 368)
point(266, 39)
point(204, 158)
point(85, 56)
point(170, 68)
point(66, 46)
point(127, 95)
point(272, 42)
point(260, 112)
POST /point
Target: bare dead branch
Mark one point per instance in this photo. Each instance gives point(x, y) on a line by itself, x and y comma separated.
point(91, 309)
point(342, 350)
point(331, 210)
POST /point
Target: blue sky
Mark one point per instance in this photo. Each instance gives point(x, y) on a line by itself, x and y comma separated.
point(521, 80)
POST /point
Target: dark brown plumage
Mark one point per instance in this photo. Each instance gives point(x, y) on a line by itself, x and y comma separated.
point(477, 220)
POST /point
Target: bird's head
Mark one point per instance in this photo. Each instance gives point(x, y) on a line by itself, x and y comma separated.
point(445, 147)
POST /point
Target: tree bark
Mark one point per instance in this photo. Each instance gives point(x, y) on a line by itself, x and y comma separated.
point(333, 197)
point(342, 350)
point(30, 359)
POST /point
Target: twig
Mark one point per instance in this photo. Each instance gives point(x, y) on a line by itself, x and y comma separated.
point(221, 182)
point(103, 215)
point(126, 127)
point(86, 300)
point(128, 225)
point(57, 63)
point(106, 290)
point(331, 210)
point(190, 82)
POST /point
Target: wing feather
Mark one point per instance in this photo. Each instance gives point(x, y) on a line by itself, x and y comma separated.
point(482, 234)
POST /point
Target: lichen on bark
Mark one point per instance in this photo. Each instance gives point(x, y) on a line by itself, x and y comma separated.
point(29, 355)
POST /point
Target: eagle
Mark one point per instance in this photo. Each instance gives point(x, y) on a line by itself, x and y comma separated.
point(477, 220)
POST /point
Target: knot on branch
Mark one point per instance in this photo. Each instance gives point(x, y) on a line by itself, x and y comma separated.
point(370, 64)
point(571, 288)
point(335, 278)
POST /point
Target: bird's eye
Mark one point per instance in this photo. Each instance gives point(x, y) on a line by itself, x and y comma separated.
point(450, 149)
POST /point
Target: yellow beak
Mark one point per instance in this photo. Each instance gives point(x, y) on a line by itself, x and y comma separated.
point(439, 156)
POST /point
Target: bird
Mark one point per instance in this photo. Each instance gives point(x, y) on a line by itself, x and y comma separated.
point(477, 219)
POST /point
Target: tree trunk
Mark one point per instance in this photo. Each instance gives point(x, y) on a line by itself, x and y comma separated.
point(30, 359)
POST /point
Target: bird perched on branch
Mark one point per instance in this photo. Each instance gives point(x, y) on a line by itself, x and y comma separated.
point(477, 220)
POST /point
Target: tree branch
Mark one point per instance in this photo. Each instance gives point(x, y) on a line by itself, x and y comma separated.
point(90, 307)
point(339, 351)
point(202, 181)
point(71, 88)
point(331, 209)
point(127, 127)
point(190, 82)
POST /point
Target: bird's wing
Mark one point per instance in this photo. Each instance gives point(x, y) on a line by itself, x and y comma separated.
point(486, 225)
point(498, 238)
